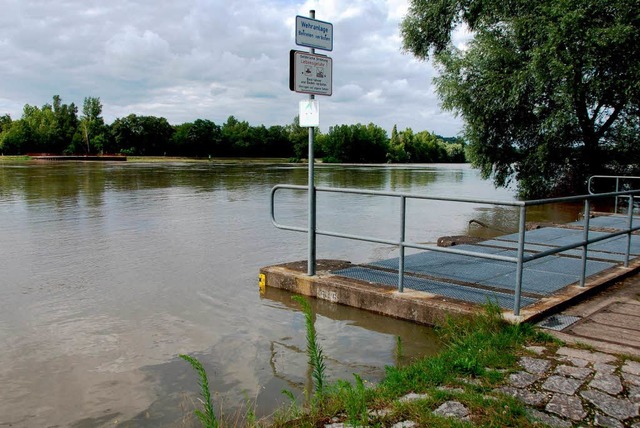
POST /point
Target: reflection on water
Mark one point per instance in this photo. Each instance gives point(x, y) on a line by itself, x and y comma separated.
point(109, 271)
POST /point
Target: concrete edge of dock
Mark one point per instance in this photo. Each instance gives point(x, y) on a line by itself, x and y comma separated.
point(418, 306)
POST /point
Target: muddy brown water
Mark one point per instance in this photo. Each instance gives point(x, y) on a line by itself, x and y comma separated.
point(108, 271)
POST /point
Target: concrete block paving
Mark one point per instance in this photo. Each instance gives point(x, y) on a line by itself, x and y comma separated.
point(571, 386)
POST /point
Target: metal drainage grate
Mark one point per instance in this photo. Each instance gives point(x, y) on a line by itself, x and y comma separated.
point(558, 322)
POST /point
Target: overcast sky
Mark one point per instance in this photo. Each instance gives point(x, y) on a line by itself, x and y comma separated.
point(209, 59)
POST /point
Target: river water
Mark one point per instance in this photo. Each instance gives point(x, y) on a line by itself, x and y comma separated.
point(109, 271)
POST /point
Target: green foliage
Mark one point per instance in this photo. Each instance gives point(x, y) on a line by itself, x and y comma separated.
point(474, 347)
point(299, 139)
point(314, 351)
point(142, 135)
point(92, 130)
point(423, 147)
point(356, 144)
point(56, 128)
point(285, 414)
point(354, 399)
point(548, 89)
point(471, 344)
point(196, 139)
point(207, 418)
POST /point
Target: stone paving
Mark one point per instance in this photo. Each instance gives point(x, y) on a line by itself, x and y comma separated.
point(577, 387)
point(562, 388)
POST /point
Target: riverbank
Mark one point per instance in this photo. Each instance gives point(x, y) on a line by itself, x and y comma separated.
point(161, 159)
point(166, 159)
point(490, 373)
point(494, 374)
point(10, 158)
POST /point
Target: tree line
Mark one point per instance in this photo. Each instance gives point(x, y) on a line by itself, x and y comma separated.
point(58, 128)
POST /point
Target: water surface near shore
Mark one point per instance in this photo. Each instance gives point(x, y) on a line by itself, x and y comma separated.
point(108, 271)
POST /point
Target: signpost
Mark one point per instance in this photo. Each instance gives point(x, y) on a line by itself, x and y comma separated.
point(311, 74)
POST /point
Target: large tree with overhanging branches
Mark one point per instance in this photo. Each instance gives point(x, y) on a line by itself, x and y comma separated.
point(549, 90)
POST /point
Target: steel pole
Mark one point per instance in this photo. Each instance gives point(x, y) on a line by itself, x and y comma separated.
point(403, 208)
point(630, 217)
point(311, 252)
point(522, 227)
point(585, 238)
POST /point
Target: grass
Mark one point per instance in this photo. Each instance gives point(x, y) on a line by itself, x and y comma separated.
point(11, 158)
point(479, 352)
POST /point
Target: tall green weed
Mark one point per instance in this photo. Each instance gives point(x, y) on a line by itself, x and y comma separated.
point(207, 418)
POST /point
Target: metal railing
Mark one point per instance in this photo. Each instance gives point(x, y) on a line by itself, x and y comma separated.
point(617, 178)
point(520, 258)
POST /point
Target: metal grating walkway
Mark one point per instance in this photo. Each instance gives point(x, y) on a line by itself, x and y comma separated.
point(476, 280)
point(614, 221)
point(454, 291)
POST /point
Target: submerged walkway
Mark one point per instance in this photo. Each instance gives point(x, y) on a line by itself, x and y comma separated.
point(436, 283)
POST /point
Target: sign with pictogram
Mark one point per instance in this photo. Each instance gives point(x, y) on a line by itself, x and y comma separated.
point(310, 73)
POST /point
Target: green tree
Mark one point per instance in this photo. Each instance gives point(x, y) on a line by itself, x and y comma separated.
point(91, 130)
point(278, 143)
point(548, 89)
point(5, 122)
point(200, 138)
point(299, 139)
point(13, 136)
point(396, 153)
point(356, 143)
point(142, 135)
point(37, 128)
point(66, 125)
point(236, 137)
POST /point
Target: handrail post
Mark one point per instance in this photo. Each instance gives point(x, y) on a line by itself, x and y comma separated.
point(615, 208)
point(630, 216)
point(585, 238)
point(403, 209)
point(522, 226)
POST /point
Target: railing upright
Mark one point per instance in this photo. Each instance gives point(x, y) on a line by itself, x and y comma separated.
point(615, 209)
point(585, 236)
point(630, 217)
point(522, 226)
point(403, 208)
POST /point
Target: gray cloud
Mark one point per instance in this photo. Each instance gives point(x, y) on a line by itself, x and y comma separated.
point(211, 59)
